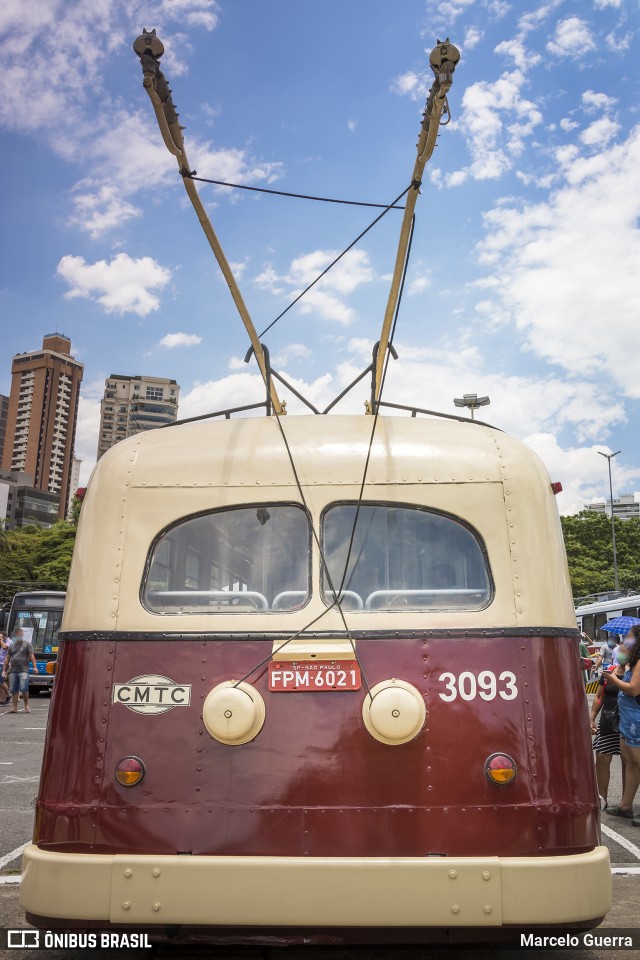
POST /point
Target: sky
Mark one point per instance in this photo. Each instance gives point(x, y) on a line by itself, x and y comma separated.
point(524, 279)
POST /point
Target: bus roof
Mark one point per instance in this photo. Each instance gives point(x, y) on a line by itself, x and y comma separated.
point(492, 481)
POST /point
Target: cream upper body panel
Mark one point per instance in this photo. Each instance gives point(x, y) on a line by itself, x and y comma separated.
point(489, 480)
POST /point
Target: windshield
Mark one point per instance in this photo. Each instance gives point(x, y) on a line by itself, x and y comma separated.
point(404, 558)
point(40, 627)
point(244, 560)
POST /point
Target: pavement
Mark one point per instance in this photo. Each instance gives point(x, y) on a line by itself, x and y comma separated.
point(21, 744)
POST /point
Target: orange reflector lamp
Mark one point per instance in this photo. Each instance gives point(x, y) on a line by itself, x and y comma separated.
point(500, 769)
point(51, 666)
point(129, 771)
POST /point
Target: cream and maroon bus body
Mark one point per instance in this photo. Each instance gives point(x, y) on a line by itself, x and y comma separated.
point(278, 797)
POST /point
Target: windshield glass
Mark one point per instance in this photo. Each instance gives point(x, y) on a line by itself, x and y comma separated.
point(39, 627)
point(404, 558)
point(245, 560)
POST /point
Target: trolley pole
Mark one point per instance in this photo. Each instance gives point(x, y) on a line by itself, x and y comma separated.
point(610, 457)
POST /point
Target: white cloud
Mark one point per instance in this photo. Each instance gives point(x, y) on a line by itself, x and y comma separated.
point(352, 125)
point(572, 38)
point(600, 132)
point(99, 212)
point(120, 285)
point(618, 44)
point(602, 4)
point(52, 67)
point(472, 38)
point(570, 266)
point(171, 340)
point(294, 351)
point(411, 84)
point(515, 49)
point(490, 143)
point(325, 298)
point(596, 102)
point(566, 124)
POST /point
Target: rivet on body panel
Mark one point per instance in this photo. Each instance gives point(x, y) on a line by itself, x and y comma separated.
point(128, 872)
point(455, 908)
point(486, 875)
point(487, 908)
point(126, 904)
point(453, 874)
point(156, 907)
point(155, 872)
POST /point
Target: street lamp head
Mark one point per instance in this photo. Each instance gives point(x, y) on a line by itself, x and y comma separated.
point(471, 400)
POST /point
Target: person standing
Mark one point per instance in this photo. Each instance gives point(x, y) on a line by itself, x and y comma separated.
point(5, 646)
point(627, 680)
point(604, 657)
point(607, 736)
point(17, 666)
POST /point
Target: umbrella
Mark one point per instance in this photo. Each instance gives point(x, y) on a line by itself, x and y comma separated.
point(620, 625)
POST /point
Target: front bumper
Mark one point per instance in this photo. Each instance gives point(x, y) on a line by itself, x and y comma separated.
point(318, 892)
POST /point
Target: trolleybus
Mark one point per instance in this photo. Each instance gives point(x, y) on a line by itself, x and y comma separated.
point(318, 678)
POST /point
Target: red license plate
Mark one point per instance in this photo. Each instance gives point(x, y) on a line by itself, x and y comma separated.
point(314, 675)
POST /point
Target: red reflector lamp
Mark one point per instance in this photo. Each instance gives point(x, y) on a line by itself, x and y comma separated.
point(500, 769)
point(129, 771)
point(556, 487)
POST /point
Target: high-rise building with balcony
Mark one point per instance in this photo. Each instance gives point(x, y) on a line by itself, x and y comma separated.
point(41, 420)
point(133, 404)
point(4, 413)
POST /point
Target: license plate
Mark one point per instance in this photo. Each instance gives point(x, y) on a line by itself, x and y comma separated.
point(316, 675)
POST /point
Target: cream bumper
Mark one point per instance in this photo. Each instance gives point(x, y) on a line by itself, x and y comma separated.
point(331, 892)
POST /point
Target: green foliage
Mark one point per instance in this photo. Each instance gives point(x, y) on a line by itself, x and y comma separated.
point(33, 558)
point(587, 537)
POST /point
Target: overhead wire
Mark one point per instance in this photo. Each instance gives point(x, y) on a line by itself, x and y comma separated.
point(337, 601)
point(285, 193)
point(390, 206)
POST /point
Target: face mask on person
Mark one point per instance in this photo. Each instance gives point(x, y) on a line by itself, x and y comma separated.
point(622, 658)
point(611, 644)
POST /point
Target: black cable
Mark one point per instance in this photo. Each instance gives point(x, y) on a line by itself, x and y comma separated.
point(339, 257)
point(285, 193)
point(376, 412)
point(338, 594)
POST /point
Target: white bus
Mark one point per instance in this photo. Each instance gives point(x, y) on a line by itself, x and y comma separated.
point(592, 616)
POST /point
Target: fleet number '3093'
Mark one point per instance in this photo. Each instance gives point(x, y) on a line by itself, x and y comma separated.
point(468, 686)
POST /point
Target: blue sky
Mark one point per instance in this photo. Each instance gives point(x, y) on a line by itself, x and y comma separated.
point(524, 281)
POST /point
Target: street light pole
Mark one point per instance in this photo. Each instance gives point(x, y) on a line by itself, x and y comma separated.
point(609, 457)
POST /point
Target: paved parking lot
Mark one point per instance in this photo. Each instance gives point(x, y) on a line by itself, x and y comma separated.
point(21, 743)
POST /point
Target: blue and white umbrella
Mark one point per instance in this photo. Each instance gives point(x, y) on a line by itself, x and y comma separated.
point(620, 625)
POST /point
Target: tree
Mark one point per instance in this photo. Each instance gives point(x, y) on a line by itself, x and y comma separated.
point(587, 537)
point(34, 558)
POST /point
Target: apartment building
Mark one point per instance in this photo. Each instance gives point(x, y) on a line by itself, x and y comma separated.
point(4, 413)
point(132, 404)
point(42, 415)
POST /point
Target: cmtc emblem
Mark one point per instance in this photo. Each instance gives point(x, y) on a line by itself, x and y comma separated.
point(152, 694)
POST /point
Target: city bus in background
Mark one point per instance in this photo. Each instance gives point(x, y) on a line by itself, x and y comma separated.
point(38, 613)
point(593, 612)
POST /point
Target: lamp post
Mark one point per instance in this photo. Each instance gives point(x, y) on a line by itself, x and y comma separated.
point(472, 401)
point(609, 457)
